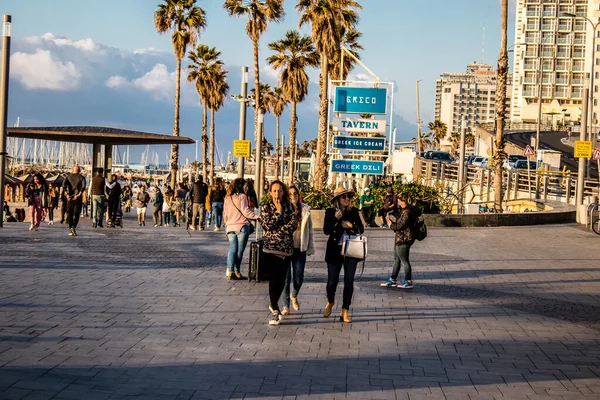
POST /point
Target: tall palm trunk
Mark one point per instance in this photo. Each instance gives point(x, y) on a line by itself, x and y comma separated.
point(204, 140)
point(321, 167)
point(257, 134)
point(212, 146)
point(500, 154)
point(292, 144)
point(175, 147)
point(277, 147)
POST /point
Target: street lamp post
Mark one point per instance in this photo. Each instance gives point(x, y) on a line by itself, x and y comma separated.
point(592, 89)
point(4, 106)
point(244, 100)
point(258, 178)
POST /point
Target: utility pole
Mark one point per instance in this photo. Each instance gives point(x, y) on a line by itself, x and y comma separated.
point(258, 178)
point(418, 120)
point(243, 105)
point(461, 166)
point(582, 137)
point(4, 106)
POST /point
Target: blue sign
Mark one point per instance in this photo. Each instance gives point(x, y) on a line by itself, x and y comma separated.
point(358, 143)
point(356, 100)
point(357, 167)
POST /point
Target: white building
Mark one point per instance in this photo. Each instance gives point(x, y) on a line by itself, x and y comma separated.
point(544, 31)
point(471, 95)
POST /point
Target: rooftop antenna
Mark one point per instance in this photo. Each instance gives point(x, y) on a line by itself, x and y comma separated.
point(483, 46)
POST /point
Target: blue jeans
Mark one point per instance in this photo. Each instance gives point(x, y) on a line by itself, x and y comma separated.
point(237, 245)
point(295, 275)
point(217, 210)
point(401, 257)
point(98, 209)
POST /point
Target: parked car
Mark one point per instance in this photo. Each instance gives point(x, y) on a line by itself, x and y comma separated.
point(478, 161)
point(522, 164)
point(442, 156)
point(509, 163)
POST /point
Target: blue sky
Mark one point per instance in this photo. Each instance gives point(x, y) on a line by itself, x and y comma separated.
point(103, 62)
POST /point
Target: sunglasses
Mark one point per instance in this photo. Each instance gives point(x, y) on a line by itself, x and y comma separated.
point(345, 196)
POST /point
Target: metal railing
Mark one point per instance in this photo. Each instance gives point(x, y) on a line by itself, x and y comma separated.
point(518, 184)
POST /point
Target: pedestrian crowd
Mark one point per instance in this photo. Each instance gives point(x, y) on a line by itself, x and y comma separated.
point(285, 221)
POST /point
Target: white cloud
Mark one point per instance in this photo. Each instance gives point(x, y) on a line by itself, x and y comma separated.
point(159, 82)
point(41, 71)
point(116, 81)
point(151, 51)
point(83, 44)
point(269, 72)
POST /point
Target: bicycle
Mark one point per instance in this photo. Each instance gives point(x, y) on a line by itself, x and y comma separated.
point(596, 226)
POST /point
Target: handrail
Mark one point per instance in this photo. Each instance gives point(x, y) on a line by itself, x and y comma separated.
point(590, 211)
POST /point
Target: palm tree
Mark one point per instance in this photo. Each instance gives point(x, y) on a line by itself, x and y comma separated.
point(294, 54)
point(216, 100)
point(440, 130)
point(279, 104)
point(326, 17)
point(349, 40)
point(186, 21)
point(259, 14)
point(205, 71)
point(426, 141)
point(502, 74)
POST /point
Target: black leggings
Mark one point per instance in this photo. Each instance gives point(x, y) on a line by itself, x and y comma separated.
point(278, 268)
point(50, 214)
point(333, 277)
point(73, 212)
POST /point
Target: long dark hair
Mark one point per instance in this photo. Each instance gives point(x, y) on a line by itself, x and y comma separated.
point(236, 187)
point(297, 205)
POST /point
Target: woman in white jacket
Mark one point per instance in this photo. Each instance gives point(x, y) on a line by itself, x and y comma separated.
point(303, 246)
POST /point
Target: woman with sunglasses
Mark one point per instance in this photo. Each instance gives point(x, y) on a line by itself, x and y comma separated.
point(303, 246)
point(340, 219)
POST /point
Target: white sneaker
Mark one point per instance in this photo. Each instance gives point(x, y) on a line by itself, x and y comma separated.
point(216, 229)
point(275, 319)
point(285, 311)
point(31, 227)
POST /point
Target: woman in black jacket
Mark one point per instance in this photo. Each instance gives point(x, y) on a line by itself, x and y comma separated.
point(339, 219)
point(403, 222)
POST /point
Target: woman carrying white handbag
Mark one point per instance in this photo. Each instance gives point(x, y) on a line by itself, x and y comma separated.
point(341, 222)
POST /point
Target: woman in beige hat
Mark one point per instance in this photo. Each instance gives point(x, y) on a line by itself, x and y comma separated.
point(339, 219)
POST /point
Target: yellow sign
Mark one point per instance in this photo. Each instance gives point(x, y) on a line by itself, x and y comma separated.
point(583, 149)
point(241, 148)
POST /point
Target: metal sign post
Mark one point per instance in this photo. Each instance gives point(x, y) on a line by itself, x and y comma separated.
point(4, 106)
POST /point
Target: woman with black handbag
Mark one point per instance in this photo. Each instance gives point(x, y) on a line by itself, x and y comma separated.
point(403, 222)
point(341, 220)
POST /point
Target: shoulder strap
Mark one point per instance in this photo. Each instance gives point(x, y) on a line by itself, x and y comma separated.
point(237, 208)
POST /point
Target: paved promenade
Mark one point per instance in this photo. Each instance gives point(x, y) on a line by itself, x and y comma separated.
point(146, 313)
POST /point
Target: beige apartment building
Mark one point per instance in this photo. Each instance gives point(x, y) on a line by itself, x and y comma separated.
point(554, 45)
point(471, 94)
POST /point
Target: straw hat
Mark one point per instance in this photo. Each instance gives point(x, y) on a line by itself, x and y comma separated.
point(340, 190)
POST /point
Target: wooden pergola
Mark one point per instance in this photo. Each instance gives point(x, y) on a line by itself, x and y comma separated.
point(98, 137)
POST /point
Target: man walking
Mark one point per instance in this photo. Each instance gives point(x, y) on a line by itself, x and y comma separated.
point(198, 193)
point(158, 205)
point(74, 187)
point(114, 199)
point(98, 192)
point(141, 202)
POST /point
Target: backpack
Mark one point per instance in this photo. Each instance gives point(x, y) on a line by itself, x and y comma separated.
point(420, 229)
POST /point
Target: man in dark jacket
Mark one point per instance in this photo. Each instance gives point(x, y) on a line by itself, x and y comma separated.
point(98, 193)
point(159, 199)
point(114, 198)
point(198, 193)
point(74, 186)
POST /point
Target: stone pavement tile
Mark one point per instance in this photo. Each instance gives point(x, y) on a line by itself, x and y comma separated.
point(14, 393)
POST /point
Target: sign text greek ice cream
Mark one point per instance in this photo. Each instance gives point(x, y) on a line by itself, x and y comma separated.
point(358, 143)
